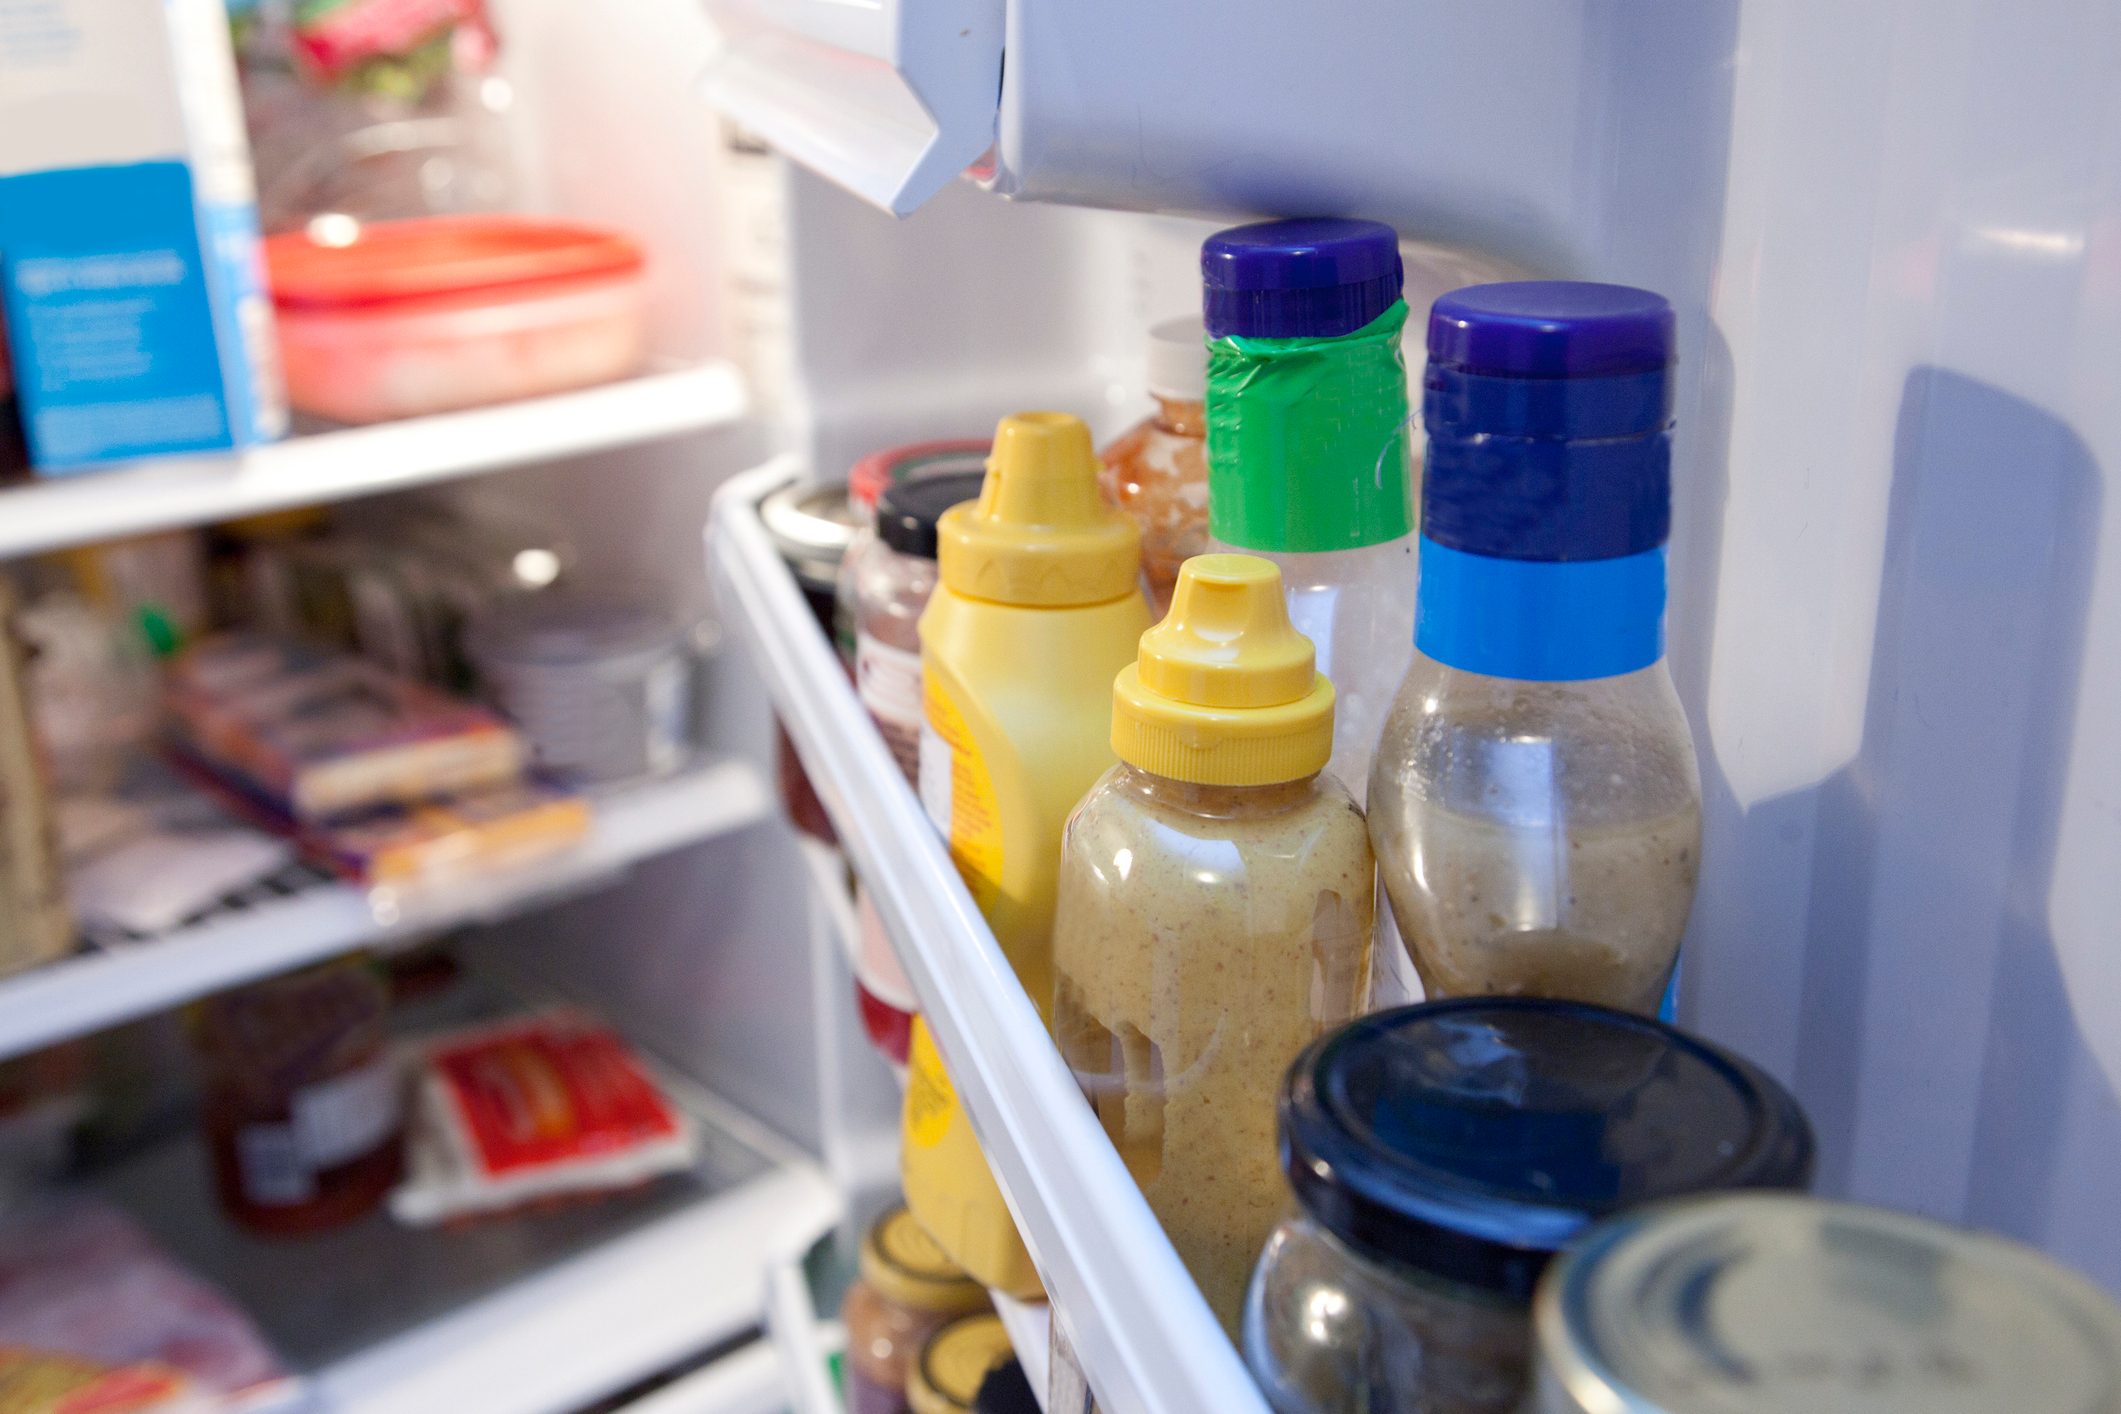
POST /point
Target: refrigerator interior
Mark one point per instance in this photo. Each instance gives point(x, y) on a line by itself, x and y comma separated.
point(1893, 240)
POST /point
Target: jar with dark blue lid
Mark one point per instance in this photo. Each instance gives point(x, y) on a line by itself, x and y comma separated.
point(1442, 1154)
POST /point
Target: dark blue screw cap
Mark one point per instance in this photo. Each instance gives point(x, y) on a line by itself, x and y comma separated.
point(1548, 406)
point(1472, 1139)
point(1310, 278)
point(1551, 329)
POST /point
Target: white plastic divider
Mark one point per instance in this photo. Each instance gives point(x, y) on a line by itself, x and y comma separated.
point(316, 467)
point(1146, 1339)
point(891, 99)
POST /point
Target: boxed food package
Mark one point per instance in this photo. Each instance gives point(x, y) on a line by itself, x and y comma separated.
point(35, 922)
point(534, 1108)
point(320, 737)
point(129, 261)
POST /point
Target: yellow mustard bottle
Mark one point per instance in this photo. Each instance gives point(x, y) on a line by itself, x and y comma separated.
point(949, 1188)
point(1039, 604)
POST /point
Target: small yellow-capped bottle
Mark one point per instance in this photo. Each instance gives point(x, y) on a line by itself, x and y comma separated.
point(1216, 899)
point(1039, 604)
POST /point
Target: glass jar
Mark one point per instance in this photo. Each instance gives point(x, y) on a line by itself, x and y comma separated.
point(1216, 903)
point(1441, 1154)
point(1775, 1304)
point(866, 483)
point(907, 1291)
point(1534, 801)
point(954, 1364)
point(812, 526)
point(303, 1104)
point(891, 585)
point(1157, 470)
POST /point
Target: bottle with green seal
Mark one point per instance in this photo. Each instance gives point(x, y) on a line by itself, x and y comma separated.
point(1309, 460)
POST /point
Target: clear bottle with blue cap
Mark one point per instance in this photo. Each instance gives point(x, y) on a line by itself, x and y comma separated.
point(1535, 803)
point(1309, 452)
point(1441, 1155)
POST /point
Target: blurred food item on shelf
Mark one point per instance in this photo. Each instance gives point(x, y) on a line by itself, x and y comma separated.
point(1769, 1303)
point(35, 922)
point(1157, 470)
point(94, 696)
point(319, 737)
point(14, 452)
point(600, 686)
point(304, 1105)
point(136, 318)
point(547, 1106)
point(907, 1291)
point(1440, 1155)
point(812, 525)
point(154, 584)
point(375, 109)
point(954, 1365)
point(151, 882)
point(90, 1303)
point(451, 840)
point(396, 582)
point(389, 319)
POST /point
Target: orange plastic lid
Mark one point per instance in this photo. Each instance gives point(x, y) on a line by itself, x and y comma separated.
point(440, 257)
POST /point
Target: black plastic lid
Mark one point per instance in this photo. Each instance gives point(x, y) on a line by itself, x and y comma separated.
point(907, 511)
point(1472, 1139)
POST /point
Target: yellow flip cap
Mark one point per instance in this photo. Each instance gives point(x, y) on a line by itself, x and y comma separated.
point(1225, 692)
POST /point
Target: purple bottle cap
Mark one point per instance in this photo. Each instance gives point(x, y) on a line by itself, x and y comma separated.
point(1551, 329)
point(1314, 277)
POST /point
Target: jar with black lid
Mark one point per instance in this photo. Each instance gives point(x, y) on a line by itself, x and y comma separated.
point(1442, 1154)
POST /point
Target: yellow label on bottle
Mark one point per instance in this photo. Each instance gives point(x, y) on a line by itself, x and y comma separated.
point(957, 791)
point(929, 1096)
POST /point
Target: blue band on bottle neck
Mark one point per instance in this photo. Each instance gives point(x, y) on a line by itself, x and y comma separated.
point(1540, 620)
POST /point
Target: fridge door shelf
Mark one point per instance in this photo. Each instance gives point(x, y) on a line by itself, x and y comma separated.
point(1146, 1340)
point(891, 99)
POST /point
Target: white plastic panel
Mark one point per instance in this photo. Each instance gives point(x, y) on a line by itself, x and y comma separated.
point(889, 98)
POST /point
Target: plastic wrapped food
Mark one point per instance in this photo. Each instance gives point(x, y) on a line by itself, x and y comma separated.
point(535, 1107)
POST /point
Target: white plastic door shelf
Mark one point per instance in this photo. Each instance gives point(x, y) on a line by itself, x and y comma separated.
point(1145, 1338)
point(889, 98)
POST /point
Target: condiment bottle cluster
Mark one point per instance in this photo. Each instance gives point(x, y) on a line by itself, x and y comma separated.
point(1526, 1191)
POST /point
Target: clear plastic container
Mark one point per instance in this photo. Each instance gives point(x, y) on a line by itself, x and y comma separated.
point(1442, 1154)
point(1157, 470)
point(891, 584)
point(908, 1290)
point(402, 318)
point(1776, 1304)
point(1535, 803)
point(1216, 904)
point(1309, 462)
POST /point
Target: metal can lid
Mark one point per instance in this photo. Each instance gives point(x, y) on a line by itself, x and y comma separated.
point(1779, 1304)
